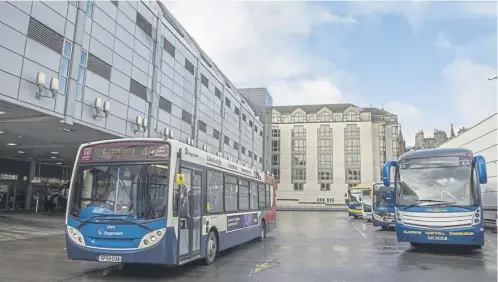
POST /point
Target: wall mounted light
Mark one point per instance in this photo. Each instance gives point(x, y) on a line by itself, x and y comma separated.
point(98, 108)
point(168, 133)
point(141, 124)
point(40, 84)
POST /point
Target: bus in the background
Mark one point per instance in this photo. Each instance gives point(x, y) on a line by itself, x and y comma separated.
point(437, 196)
point(383, 208)
point(354, 197)
point(162, 202)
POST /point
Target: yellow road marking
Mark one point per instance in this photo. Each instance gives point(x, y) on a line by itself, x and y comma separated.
point(260, 267)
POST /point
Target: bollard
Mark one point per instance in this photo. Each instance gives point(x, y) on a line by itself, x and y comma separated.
point(37, 201)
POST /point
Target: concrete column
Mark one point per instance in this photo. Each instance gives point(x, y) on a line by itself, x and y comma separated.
point(29, 185)
point(156, 74)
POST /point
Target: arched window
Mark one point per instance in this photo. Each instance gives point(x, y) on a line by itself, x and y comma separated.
point(299, 117)
point(275, 118)
point(351, 116)
point(324, 117)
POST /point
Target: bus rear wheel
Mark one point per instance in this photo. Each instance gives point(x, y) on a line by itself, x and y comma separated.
point(211, 248)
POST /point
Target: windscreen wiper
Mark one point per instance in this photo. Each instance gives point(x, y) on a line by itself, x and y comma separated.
point(133, 222)
point(417, 203)
point(90, 219)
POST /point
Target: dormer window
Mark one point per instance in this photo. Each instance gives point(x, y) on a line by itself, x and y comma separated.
point(299, 117)
point(324, 117)
point(351, 116)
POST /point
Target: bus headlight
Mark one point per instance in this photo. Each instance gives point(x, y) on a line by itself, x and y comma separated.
point(476, 218)
point(399, 215)
point(150, 239)
point(75, 236)
point(378, 217)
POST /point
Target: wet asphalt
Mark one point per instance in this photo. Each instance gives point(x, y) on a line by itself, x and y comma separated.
point(308, 246)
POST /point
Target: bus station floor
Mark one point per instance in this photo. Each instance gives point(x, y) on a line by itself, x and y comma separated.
point(308, 246)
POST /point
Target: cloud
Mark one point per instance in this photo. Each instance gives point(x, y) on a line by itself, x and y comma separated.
point(442, 42)
point(265, 44)
point(410, 118)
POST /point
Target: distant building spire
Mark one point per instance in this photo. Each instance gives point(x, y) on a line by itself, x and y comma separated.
point(452, 134)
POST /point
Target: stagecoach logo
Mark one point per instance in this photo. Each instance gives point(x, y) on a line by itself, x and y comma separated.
point(436, 210)
point(109, 233)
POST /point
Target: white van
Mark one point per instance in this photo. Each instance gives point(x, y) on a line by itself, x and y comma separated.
point(366, 208)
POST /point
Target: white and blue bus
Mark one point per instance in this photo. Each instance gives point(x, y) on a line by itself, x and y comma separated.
point(156, 201)
point(437, 196)
point(383, 208)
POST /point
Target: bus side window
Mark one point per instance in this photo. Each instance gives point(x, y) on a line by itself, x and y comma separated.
point(269, 201)
point(261, 192)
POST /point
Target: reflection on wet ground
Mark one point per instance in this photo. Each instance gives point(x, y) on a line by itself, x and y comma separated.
point(308, 246)
point(319, 246)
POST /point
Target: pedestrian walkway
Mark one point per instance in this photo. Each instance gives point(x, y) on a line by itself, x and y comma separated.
point(27, 226)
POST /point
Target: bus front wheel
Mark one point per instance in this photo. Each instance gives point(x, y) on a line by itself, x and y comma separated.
point(211, 248)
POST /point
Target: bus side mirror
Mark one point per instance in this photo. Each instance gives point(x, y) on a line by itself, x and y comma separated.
point(180, 179)
point(481, 169)
point(386, 172)
point(347, 201)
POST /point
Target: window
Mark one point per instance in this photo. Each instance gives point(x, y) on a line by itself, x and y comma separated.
point(230, 193)
point(298, 186)
point(311, 118)
point(164, 104)
point(395, 130)
point(237, 111)
point(135, 87)
point(325, 160)
point(261, 133)
point(189, 66)
point(99, 67)
point(186, 117)
point(216, 134)
point(353, 174)
point(275, 118)
point(299, 117)
point(214, 196)
point(256, 129)
point(324, 117)
point(204, 81)
point(299, 160)
point(243, 195)
point(202, 126)
point(116, 3)
point(144, 25)
point(227, 102)
point(298, 131)
point(235, 145)
point(244, 117)
point(255, 157)
point(275, 159)
point(324, 144)
point(169, 47)
point(298, 146)
point(325, 187)
point(275, 145)
point(64, 67)
point(351, 116)
point(352, 130)
point(89, 9)
point(276, 173)
point(250, 123)
point(269, 196)
point(254, 196)
point(262, 193)
point(299, 174)
point(382, 144)
point(243, 150)
point(351, 144)
point(353, 159)
point(324, 131)
point(81, 76)
point(260, 159)
point(249, 153)
point(382, 130)
point(325, 174)
point(275, 132)
point(217, 93)
point(227, 140)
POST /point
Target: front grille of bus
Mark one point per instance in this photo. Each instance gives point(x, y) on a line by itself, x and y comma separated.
point(438, 220)
point(367, 208)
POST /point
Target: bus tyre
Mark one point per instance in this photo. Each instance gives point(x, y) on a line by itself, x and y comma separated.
point(211, 248)
point(262, 235)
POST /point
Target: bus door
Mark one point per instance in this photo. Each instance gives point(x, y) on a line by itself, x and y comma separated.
point(190, 207)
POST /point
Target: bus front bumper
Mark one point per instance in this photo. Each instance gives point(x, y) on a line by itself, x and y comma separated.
point(473, 236)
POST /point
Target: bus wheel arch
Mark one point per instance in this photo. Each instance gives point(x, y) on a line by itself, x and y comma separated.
point(212, 238)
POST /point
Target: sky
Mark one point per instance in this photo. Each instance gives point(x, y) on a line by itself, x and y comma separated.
point(428, 61)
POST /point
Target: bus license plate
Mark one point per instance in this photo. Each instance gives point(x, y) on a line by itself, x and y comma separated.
point(441, 238)
point(110, 258)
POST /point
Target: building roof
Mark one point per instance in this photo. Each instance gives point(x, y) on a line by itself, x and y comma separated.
point(332, 107)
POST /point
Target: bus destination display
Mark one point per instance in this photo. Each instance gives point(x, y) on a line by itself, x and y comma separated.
point(119, 152)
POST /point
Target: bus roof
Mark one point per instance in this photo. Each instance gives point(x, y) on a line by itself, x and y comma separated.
point(437, 152)
point(360, 187)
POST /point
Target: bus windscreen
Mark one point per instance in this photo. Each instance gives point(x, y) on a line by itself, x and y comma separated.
point(125, 151)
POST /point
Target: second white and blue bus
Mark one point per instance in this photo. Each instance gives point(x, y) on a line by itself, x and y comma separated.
point(438, 197)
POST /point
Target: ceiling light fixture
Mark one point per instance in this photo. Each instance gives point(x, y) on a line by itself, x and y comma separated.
point(20, 152)
point(53, 157)
point(3, 112)
point(66, 130)
point(1, 132)
point(59, 163)
point(11, 144)
point(54, 153)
